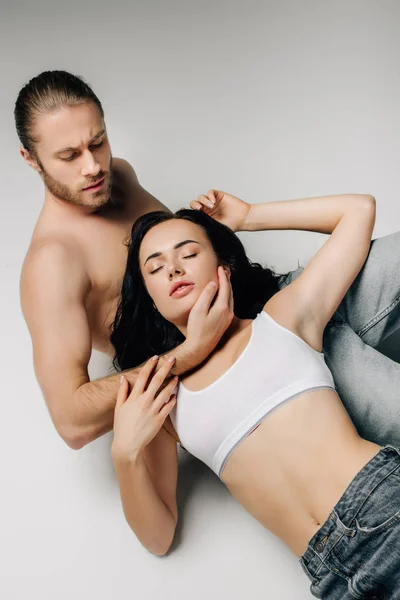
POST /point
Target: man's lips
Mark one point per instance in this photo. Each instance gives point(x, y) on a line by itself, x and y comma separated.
point(181, 288)
point(94, 185)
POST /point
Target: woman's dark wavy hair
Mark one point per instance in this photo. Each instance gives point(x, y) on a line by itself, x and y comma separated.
point(140, 331)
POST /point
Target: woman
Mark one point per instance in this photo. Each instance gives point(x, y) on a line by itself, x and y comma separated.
point(262, 411)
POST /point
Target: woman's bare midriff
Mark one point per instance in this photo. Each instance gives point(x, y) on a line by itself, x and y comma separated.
point(291, 471)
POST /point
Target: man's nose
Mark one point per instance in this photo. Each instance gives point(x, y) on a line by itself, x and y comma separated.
point(90, 166)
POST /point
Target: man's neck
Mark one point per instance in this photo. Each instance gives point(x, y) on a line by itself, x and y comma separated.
point(54, 205)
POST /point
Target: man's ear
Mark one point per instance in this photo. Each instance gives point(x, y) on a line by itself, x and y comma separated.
point(32, 162)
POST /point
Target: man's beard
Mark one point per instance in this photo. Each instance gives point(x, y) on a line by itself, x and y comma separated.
point(64, 193)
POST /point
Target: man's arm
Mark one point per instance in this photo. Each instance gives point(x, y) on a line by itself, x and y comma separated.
point(53, 289)
point(54, 286)
point(205, 328)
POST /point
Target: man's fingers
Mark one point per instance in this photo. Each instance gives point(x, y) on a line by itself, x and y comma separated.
point(230, 296)
point(202, 304)
point(224, 299)
point(224, 288)
point(231, 305)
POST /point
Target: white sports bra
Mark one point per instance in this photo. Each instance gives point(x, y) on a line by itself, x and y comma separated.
point(275, 367)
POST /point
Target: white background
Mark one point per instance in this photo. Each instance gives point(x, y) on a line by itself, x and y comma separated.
point(269, 100)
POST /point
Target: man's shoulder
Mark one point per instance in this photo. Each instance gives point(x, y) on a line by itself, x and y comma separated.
point(135, 195)
point(125, 169)
point(51, 259)
point(50, 248)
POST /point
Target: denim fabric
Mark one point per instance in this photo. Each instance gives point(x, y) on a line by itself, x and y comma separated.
point(367, 381)
point(356, 552)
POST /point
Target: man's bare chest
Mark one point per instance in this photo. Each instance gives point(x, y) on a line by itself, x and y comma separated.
point(106, 262)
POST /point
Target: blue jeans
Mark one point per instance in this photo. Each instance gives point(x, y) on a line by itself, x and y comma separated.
point(367, 381)
point(356, 552)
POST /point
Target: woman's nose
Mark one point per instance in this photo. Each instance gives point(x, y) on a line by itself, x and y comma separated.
point(174, 270)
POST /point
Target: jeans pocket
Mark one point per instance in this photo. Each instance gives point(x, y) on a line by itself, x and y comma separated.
point(381, 509)
point(390, 522)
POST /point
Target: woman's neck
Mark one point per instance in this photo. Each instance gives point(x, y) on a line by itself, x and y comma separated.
point(234, 328)
point(221, 357)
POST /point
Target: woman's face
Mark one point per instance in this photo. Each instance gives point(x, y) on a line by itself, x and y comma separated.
point(177, 261)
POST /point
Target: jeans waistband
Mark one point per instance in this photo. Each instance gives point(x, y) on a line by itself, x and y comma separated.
point(342, 518)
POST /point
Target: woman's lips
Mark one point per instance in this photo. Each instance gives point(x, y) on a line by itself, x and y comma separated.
point(96, 187)
point(182, 290)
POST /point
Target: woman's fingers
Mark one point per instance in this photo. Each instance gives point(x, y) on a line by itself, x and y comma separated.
point(195, 205)
point(144, 374)
point(158, 379)
point(211, 196)
point(165, 394)
point(167, 407)
point(206, 201)
point(122, 392)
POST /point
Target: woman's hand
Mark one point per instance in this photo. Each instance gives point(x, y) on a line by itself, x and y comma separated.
point(223, 207)
point(139, 415)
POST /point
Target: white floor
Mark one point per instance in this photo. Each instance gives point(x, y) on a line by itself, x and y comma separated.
point(267, 100)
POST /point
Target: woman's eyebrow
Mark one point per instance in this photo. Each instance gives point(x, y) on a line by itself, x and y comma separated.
point(178, 245)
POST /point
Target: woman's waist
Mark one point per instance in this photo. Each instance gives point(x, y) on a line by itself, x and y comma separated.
point(296, 437)
point(292, 470)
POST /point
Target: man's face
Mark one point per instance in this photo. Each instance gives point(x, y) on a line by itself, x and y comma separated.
point(73, 153)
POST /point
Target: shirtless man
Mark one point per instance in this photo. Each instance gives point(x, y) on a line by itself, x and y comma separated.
point(71, 277)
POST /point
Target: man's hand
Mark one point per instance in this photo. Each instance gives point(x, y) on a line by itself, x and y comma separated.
point(223, 207)
point(209, 318)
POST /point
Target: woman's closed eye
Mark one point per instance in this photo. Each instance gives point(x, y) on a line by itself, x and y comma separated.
point(160, 267)
point(155, 270)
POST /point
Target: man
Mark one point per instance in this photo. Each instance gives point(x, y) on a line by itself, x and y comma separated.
point(71, 277)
